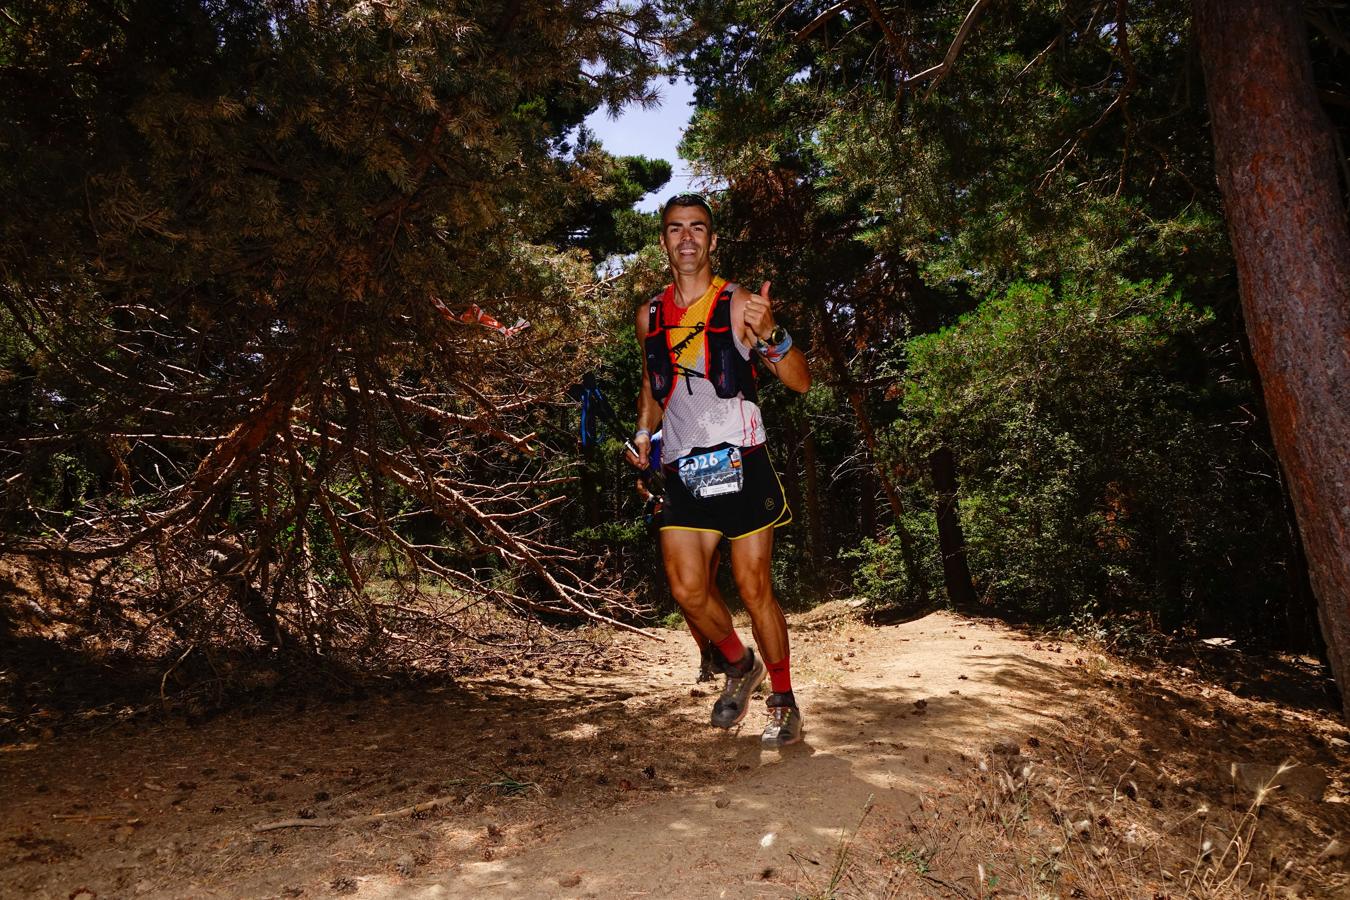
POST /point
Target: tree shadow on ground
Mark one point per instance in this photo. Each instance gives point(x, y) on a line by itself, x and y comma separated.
point(152, 808)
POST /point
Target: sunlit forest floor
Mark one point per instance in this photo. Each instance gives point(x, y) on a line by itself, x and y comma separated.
point(944, 757)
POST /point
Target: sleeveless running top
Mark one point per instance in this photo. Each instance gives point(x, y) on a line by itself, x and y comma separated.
point(695, 416)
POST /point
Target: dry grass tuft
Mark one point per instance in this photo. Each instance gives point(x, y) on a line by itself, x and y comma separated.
point(1068, 819)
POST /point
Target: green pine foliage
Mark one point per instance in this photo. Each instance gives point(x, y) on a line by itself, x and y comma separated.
point(241, 238)
point(1052, 190)
point(603, 220)
point(1101, 470)
point(240, 243)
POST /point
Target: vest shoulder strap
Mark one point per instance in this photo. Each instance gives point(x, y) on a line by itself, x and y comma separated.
point(721, 311)
point(656, 317)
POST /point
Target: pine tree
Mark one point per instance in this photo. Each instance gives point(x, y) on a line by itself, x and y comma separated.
point(243, 265)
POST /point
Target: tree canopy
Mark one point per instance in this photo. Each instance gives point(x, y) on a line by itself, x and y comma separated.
point(248, 250)
point(1033, 168)
point(294, 297)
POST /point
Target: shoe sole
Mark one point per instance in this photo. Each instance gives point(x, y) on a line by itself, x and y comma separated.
point(779, 745)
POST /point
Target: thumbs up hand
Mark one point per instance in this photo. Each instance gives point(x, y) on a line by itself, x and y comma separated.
point(759, 314)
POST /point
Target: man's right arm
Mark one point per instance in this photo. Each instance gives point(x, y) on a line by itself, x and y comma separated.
point(649, 412)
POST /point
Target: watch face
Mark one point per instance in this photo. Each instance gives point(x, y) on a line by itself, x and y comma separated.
point(776, 337)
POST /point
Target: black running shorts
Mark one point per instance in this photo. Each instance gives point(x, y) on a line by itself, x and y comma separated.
point(759, 504)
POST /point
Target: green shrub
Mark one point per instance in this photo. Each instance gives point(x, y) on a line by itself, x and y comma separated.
point(1105, 462)
point(879, 572)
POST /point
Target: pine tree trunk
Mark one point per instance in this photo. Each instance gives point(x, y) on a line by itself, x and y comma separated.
point(1276, 163)
point(1301, 632)
point(815, 524)
point(951, 539)
point(834, 352)
point(867, 508)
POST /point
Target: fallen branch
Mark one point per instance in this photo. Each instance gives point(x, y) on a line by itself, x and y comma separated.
point(424, 806)
point(458, 509)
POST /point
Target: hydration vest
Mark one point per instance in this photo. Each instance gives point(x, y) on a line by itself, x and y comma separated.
point(731, 374)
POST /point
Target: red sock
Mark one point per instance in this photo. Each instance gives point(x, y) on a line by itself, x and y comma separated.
point(780, 679)
point(731, 647)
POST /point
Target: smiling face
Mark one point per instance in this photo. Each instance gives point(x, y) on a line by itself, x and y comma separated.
point(688, 239)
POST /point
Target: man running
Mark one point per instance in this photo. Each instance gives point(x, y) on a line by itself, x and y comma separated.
point(699, 385)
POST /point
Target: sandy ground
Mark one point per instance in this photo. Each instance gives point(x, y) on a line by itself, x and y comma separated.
point(611, 784)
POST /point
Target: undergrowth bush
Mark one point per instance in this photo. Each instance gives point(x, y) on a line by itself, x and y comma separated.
point(880, 574)
point(1106, 461)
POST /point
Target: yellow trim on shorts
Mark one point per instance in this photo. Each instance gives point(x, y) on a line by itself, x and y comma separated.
point(692, 528)
point(779, 524)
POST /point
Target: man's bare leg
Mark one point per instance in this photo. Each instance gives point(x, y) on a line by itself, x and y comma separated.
point(688, 557)
point(750, 559)
point(711, 661)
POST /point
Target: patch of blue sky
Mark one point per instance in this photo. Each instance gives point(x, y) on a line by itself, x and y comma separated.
point(654, 132)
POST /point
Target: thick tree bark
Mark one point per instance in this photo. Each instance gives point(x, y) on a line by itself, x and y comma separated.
point(1276, 163)
point(1295, 619)
point(951, 539)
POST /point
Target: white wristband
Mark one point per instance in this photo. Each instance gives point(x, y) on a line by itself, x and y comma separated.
point(640, 432)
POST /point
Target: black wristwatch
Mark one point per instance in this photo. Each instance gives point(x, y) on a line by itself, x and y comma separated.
point(776, 337)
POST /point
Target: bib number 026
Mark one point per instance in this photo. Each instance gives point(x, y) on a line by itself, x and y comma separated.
point(712, 473)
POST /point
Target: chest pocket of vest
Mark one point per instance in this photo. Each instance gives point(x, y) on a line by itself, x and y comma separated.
point(722, 368)
point(656, 350)
point(659, 371)
point(731, 374)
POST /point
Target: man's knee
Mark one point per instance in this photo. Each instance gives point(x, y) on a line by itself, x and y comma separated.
point(689, 593)
point(689, 585)
point(755, 587)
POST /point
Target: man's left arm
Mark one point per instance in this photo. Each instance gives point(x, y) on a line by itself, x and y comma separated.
point(757, 327)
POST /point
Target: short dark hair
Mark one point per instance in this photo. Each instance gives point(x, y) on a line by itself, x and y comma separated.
point(687, 200)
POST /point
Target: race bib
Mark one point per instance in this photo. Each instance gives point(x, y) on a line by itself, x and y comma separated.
point(712, 473)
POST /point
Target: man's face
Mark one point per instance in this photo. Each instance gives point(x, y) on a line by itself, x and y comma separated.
point(687, 238)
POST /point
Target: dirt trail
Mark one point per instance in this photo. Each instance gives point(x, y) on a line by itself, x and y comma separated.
point(611, 784)
point(778, 815)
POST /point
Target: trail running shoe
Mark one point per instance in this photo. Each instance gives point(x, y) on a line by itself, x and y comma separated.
point(734, 703)
point(784, 728)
